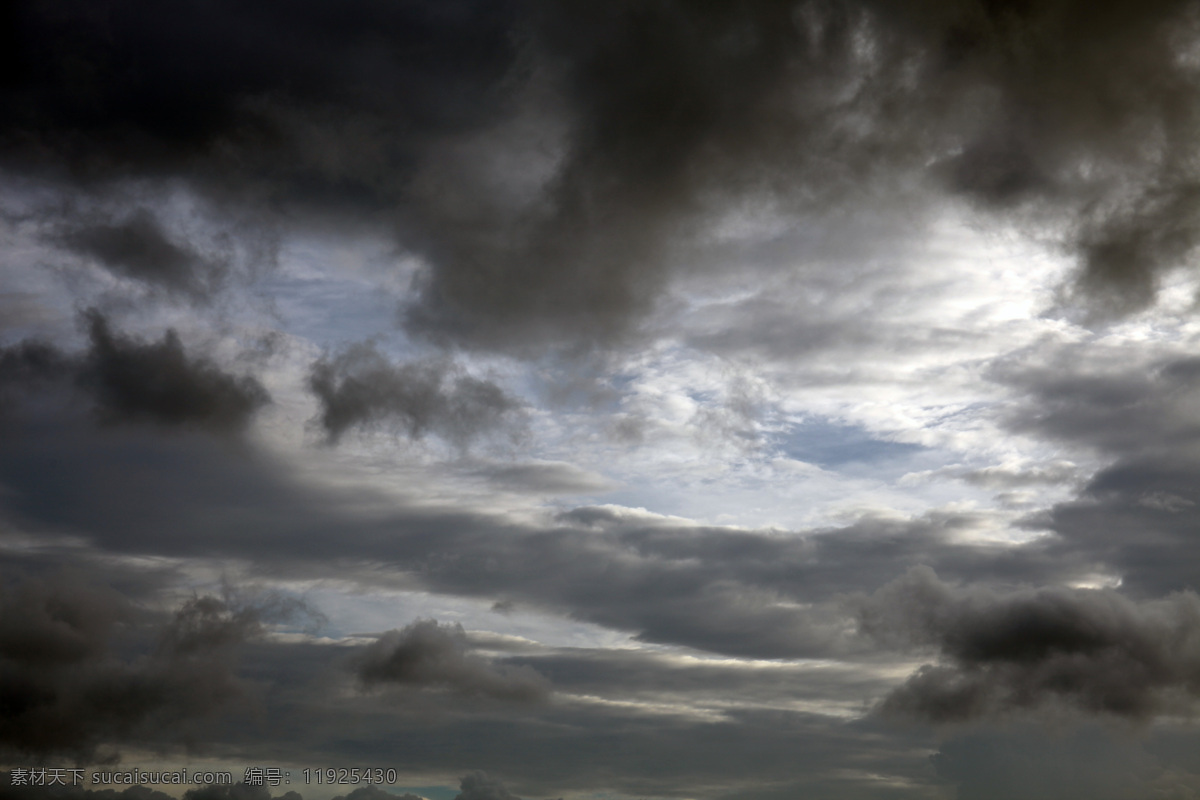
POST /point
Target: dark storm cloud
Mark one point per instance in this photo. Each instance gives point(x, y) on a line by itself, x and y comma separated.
point(1112, 400)
point(1135, 517)
point(675, 109)
point(669, 112)
point(545, 159)
point(157, 382)
point(66, 690)
point(426, 655)
point(137, 247)
point(1080, 106)
point(130, 381)
point(248, 99)
point(359, 388)
point(1139, 517)
point(210, 624)
point(1093, 650)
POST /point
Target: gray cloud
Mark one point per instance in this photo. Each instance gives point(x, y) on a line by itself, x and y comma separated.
point(1053, 472)
point(67, 691)
point(1133, 518)
point(544, 160)
point(432, 656)
point(159, 383)
point(137, 247)
point(549, 170)
point(675, 110)
point(1136, 517)
point(1072, 763)
point(655, 745)
point(208, 624)
point(1111, 400)
point(709, 684)
point(173, 94)
point(129, 381)
point(665, 721)
point(736, 419)
point(359, 388)
point(1092, 650)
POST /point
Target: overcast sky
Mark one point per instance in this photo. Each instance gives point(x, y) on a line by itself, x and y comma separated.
point(647, 399)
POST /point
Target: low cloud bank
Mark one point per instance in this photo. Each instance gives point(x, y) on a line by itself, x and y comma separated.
point(428, 655)
point(999, 652)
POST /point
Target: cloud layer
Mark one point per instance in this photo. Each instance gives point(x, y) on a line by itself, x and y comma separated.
point(68, 692)
point(428, 655)
point(1093, 650)
point(546, 162)
point(129, 381)
point(763, 395)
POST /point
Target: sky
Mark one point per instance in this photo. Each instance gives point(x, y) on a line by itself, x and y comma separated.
point(602, 401)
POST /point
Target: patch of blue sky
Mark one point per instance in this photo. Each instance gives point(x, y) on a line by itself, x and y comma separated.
point(846, 448)
point(331, 312)
point(333, 294)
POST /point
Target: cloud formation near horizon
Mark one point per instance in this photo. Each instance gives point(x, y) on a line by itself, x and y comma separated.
point(426, 655)
point(1087, 649)
point(68, 692)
